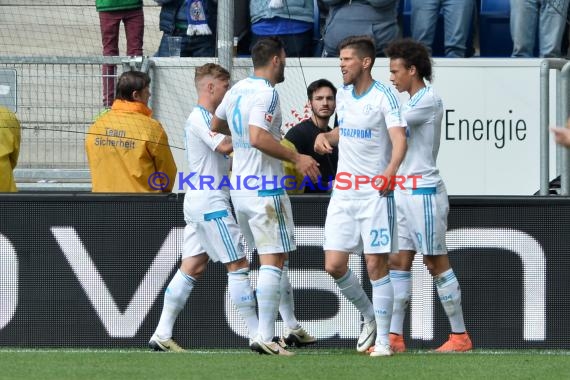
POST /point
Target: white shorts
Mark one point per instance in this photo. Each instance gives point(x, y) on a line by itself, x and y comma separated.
point(212, 231)
point(266, 220)
point(422, 220)
point(363, 225)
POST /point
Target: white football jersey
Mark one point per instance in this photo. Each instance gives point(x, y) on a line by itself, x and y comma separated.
point(252, 101)
point(423, 114)
point(364, 147)
point(207, 168)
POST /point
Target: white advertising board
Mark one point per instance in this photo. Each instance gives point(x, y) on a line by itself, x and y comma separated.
point(490, 132)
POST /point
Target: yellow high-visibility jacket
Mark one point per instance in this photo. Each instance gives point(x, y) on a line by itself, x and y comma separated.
point(125, 147)
point(293, 185)
point(9, 149)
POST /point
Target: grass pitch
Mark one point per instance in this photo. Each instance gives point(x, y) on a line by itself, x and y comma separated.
point(308, 364)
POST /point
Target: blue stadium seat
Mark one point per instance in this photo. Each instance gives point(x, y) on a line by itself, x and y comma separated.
point(494, 28)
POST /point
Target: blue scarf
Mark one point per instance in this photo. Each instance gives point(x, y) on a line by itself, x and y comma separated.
point(196, 16)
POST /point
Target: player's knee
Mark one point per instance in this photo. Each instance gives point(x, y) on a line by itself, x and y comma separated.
point(430, 267)
point(194, 268)
point(238, 265)
point(436, 265)
point(401, 261)
point(433, 268)
point(335, 270)
point(398, 265)
point(197, 272)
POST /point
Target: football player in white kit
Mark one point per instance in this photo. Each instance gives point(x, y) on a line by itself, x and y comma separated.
point(211, 232)
point(251, 113)
point(360, 217)
point(423, 207)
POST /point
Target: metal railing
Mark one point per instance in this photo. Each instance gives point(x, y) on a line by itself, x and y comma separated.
point(561, 115)
point(564, 154)
point(57, 100)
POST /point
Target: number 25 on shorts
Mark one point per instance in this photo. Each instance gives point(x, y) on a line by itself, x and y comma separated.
point(380, 237)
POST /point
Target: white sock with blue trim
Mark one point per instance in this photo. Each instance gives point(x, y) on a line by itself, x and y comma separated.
point(350, 287)
point(243, 298)
point(402, 283)
point(268, 295)
point(287, 301)
point(175, 297)
point(383, 301)
point(450, 296)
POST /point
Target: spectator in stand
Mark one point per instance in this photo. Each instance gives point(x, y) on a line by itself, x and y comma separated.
point(127, 149)
point(291, 21)
point(9, 149)
point(198, 40)
point(458, 18)
point(301, 137)
point(549, 16)
point(375, 18)
point(111, 13)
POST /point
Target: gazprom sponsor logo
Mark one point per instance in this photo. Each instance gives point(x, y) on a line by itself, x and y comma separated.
point(356, 133)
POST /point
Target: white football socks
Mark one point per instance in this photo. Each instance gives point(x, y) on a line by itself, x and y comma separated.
point(268, 295)
point(287, 301)
point(402, 284)
point(242, 296)
point(383, 302)
point(450, 296)
point(350, 287)
point(175, 298)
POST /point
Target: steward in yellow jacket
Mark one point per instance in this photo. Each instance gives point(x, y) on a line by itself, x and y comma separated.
point(126, 147)
point(9, 149)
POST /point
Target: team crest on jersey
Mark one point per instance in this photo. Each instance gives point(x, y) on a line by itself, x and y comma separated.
point(269, 117)
point(367, 109)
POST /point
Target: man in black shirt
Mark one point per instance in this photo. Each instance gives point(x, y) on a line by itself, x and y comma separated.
point(321, 94)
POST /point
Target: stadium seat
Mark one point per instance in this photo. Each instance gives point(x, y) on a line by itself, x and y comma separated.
point(494, 28)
